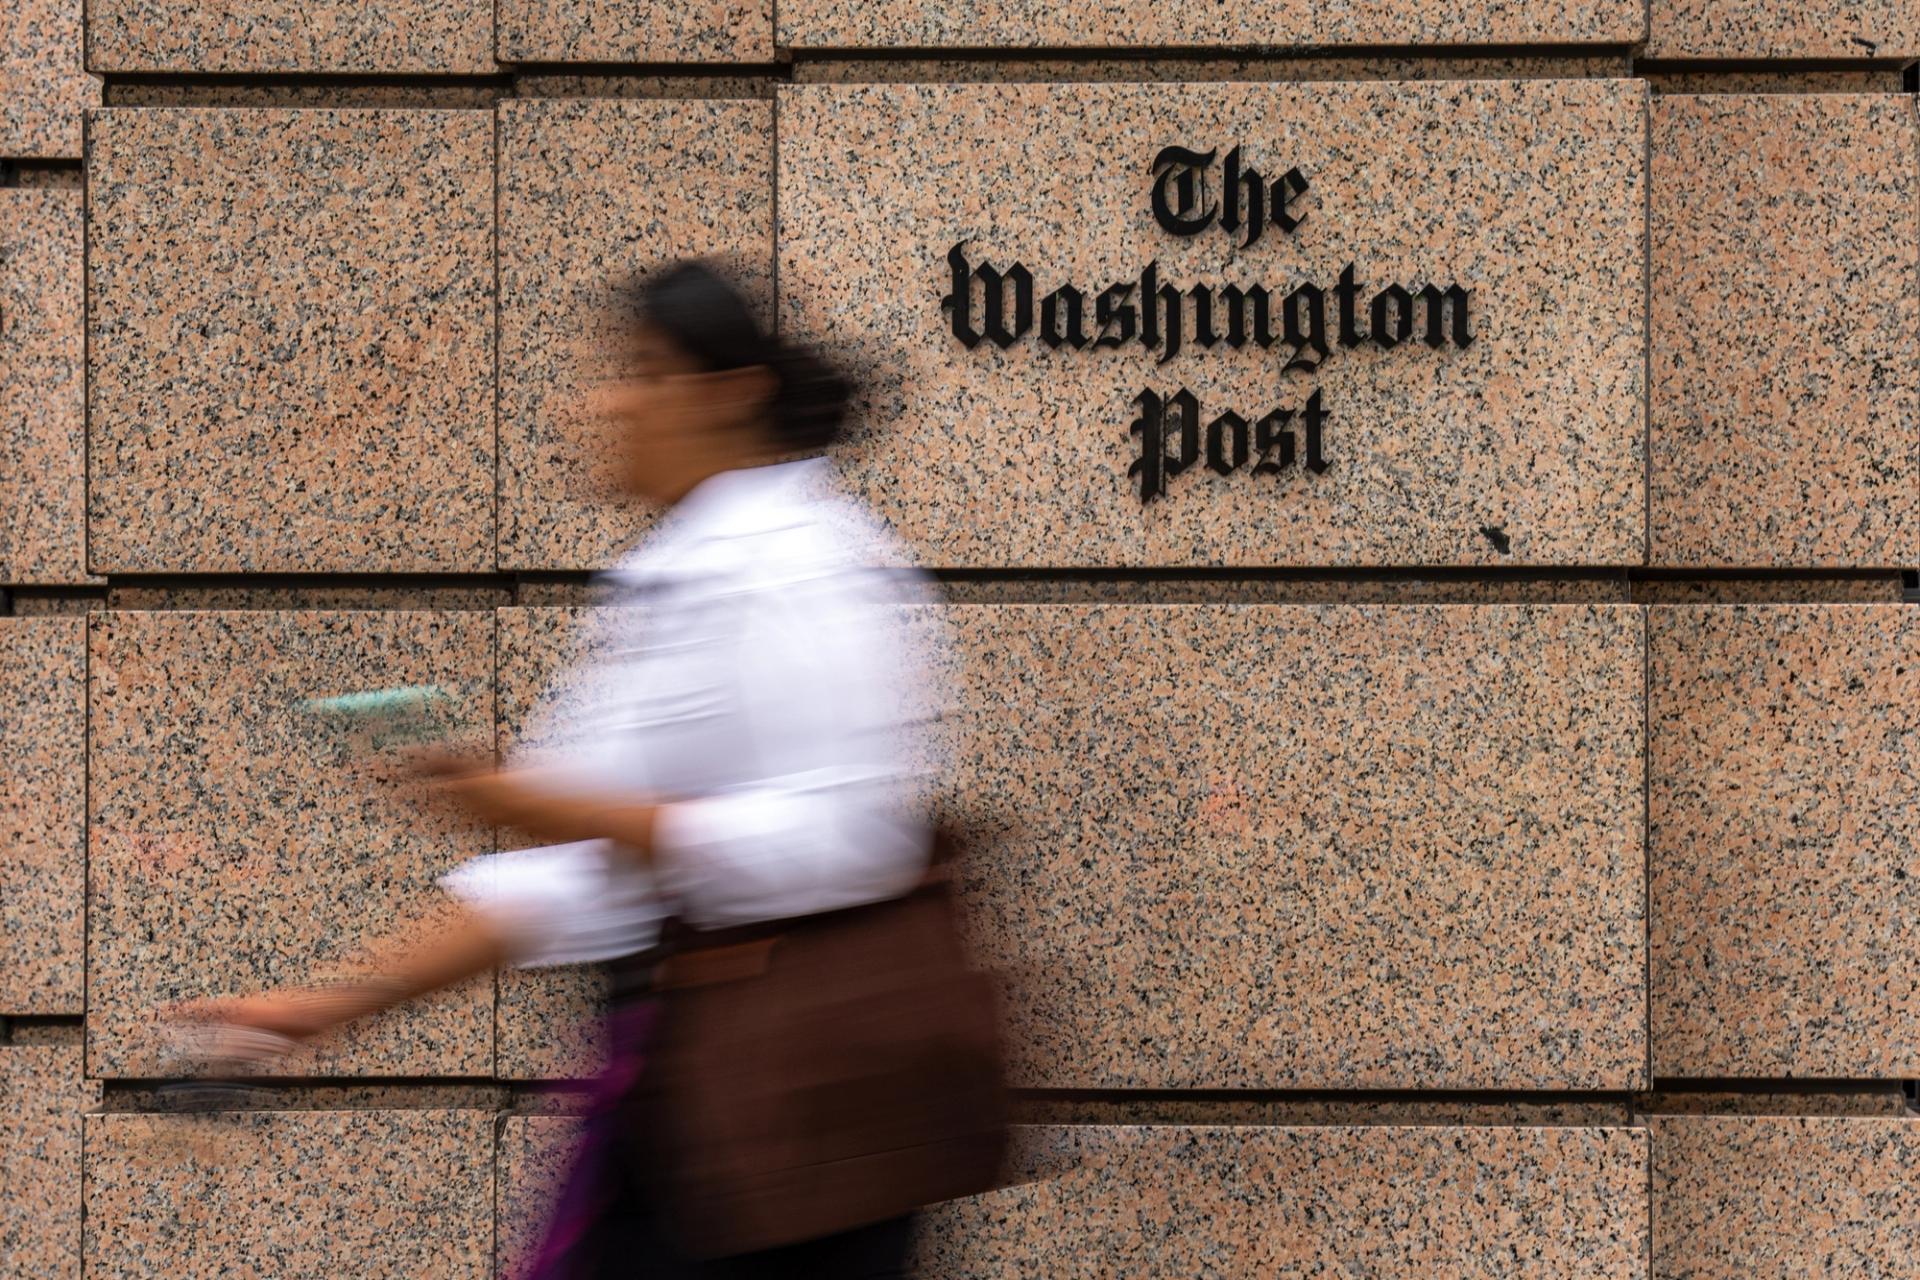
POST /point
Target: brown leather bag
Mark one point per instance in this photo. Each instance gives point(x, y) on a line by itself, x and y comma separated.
point(822, 1073)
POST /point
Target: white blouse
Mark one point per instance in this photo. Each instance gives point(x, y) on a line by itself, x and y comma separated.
point(765, 687)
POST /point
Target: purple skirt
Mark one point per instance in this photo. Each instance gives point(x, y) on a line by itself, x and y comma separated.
point(595, 1181)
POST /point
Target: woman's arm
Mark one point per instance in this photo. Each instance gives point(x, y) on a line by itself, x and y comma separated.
point(543, 804)
point(464, 946)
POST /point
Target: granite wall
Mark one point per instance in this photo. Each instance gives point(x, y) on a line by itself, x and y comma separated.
point(1428, 497)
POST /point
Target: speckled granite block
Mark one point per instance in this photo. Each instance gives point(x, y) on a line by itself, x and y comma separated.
point(592, 191)
point(291, 354)
point(1524, 447)
point(240, 842)
point(411, 37)
point(532, 1158)
point(869, 70)
point(1296, 1110)
point(41, 1098)
point(547, 1025)
point(1784, 873)
point(1446, 1113)
point(42, 393)
point(422, 598)
point(43, 787)
point(636, 31)
point(1248, 1203)
point(1888, 29)
point(560, 593)
point(1382, 589)
point(1786, 331)
point(44, 89)
point(1325, 846)
point(398, 1195)
point(49, 175)
point(1738, 1198)
point(663, 86)
point(295, 93)
point(1031, 24)
point(1885, 588)
point(1874, 80)
point(1884, 1100)
point(46, 603)
point(256, 1094)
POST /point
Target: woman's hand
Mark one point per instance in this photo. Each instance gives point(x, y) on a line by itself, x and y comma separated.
point(298, 1014)
point(538, 802)
point(495, 796)
point(256, 1030)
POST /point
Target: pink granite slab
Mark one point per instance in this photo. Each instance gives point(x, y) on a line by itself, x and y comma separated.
point(379, 596)
point(530, 1161)
point(592, 192)
point(1784, 873)
point(1315, 846)
point(42, 389)
point(1116, 24)
point(311, 1195)
point(1874, 1100)
point(415, 92)
point(1249, 1203)
point(547, 1023)
point(946, 70)
point(634, 31)
point(1784, 1198)
point(1243, 904)
point(43, 788)
point(239, 841)
point(756, 83)
point(1331, 588)
point(1718, 80)
point(41, 1098)
point(1884, 588)
point(44, 90)
point(1739, 29)
point(1785, 407)
point(292, 340)
point(412, 37)
point(1523, 447)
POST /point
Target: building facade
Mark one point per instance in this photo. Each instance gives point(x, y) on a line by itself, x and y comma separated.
point(1428, 498)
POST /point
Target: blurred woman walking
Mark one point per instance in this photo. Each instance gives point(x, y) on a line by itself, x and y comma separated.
point(799, 1053)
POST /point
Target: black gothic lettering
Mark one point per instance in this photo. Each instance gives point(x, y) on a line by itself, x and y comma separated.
point(1155, 466)
point(1270, 432)
point(1434, 300)
point(1051, 333)
point(1316, 419)
point(994, 308)
point(1346, 291)
point(1113, 312)
point(1305, 325)
point(1227, 443)
point(1164, 316)
point(959, 299)
point(1247, 314)
point(1237, 186)
point(1179, 188)
point(1288, 185)
point(1391, 332)
point(1203, 334)
point(1161, 314)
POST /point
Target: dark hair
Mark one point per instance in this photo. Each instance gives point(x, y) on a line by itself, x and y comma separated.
point(705, 316)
